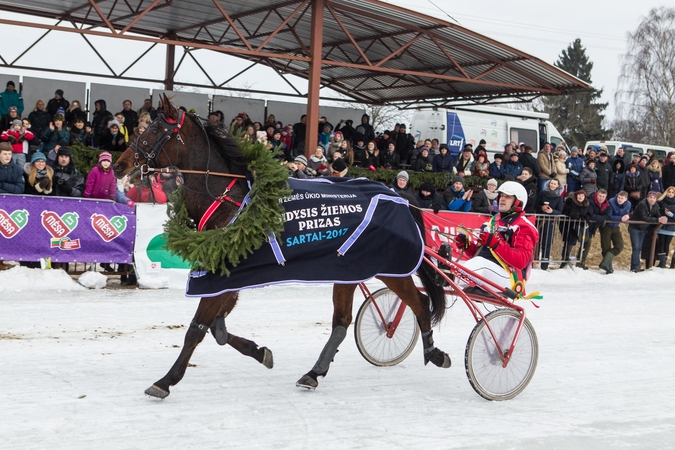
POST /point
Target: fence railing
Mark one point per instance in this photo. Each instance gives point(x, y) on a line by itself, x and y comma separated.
point(562, 239)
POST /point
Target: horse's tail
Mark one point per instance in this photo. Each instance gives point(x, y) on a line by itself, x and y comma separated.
point(427, 274)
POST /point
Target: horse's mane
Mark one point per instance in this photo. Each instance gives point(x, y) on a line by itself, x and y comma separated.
point(225, 145)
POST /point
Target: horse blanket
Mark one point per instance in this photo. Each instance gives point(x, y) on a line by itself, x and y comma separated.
point(336, 230)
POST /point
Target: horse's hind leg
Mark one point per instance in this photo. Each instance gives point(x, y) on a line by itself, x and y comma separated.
point(244, 346)
point(419, 304)
point(207, 311)
point(343, 298)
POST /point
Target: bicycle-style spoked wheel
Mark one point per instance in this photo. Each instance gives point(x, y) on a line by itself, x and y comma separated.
point(370, 331)
point(484, 365)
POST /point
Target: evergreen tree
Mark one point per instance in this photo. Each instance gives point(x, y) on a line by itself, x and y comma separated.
point(577, 116)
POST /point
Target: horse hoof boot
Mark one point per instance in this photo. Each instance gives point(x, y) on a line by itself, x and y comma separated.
point(438, 358)
point(307, 382)
point(157, 392)
point(268, 359)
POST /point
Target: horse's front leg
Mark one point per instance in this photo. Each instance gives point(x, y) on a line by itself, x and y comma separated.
point(207, 311)
point(343, 298)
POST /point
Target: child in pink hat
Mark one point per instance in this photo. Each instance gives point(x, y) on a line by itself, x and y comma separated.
point(101, 182)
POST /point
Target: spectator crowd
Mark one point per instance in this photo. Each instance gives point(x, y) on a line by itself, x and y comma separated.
point(592, 188)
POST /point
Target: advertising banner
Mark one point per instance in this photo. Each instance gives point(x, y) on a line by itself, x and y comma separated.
point(442, 227)
point(65, 229)
point(156, 267)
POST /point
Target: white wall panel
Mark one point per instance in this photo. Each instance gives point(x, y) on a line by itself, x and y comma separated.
point(35, 89)
point(114, 96)
point(231, 106)
point(200, 102)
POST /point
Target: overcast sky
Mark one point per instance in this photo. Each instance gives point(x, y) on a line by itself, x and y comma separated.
point(535, 27)
point(544, 30)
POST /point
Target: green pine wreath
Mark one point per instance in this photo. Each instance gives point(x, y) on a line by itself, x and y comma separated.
point(213, 250)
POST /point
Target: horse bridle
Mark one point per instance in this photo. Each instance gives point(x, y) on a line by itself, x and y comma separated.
point(174, 126)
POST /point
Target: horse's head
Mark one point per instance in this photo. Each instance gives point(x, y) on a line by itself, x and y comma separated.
point(152, 148)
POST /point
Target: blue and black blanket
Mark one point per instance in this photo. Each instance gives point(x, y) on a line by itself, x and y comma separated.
point(337, 230)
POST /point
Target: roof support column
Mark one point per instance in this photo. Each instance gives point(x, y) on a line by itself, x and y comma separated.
point(313, 94)
point(169, 68)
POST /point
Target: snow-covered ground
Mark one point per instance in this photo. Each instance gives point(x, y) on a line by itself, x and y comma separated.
point(75, 363)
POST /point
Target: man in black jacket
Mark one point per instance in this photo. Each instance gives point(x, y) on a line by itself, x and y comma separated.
point(527, 160)
point(405, 144)
point(57, 102)
point(130, 116)
point(604, 170)
point(668, 173)
point(101, 118)
point(67, 180)
point(647, 210)
point(300, 130)
point(347, 130)
point(364, 131)
point(531, 185)
point(598, 214)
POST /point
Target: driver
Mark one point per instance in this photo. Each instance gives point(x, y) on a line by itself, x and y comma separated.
point(504, 249)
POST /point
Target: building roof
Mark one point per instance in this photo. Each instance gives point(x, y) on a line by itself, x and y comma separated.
point(372, 52)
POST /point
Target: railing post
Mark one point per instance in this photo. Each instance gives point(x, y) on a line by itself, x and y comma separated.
point(655, 236)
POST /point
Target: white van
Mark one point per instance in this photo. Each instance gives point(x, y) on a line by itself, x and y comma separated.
point(498, 126)
point(631, 148)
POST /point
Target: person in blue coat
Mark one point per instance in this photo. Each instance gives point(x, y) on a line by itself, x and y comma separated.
point(443, 162)
point(655, 179)
point(611, 240)
point(10, 97)
point(497, 168)
point(456, 197)
point(11, 174)
point(513, 167)
point(575, 164)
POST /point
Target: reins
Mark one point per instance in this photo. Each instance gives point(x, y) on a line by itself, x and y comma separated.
point(145, 169)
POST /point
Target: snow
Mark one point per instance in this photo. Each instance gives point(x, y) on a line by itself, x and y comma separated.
point(76, 363)
point(25, 280)
point(156, 282)
point(93, 280)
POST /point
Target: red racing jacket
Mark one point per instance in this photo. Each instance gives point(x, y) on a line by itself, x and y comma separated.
point(518, 237)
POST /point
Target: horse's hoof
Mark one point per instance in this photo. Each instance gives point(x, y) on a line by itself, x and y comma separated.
point(307, 382)
point(268, 359)
point(157, 392)
point(438, 358)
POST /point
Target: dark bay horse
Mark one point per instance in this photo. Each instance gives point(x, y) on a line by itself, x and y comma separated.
point(180, 140)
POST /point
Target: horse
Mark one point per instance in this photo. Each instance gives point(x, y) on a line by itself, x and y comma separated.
point(177, 139)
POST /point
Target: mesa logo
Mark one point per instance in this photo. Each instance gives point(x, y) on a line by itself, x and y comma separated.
point(12, 223)
point(59, 226)
point(108, 229)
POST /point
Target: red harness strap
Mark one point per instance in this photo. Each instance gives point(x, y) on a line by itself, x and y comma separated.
point(219, 201)
point(179, 122)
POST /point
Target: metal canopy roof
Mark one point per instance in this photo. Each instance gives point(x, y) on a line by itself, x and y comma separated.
point(372, 52)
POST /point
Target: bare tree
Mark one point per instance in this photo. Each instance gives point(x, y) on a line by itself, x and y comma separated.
point(646, 94)
point(385, 117)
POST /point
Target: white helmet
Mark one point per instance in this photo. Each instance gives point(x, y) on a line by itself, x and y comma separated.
point(516, 189)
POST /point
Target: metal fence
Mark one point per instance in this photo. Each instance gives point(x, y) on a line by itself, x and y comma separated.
point(561, 239)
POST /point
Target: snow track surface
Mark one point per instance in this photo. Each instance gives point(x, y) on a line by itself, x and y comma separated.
point(75, 364)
